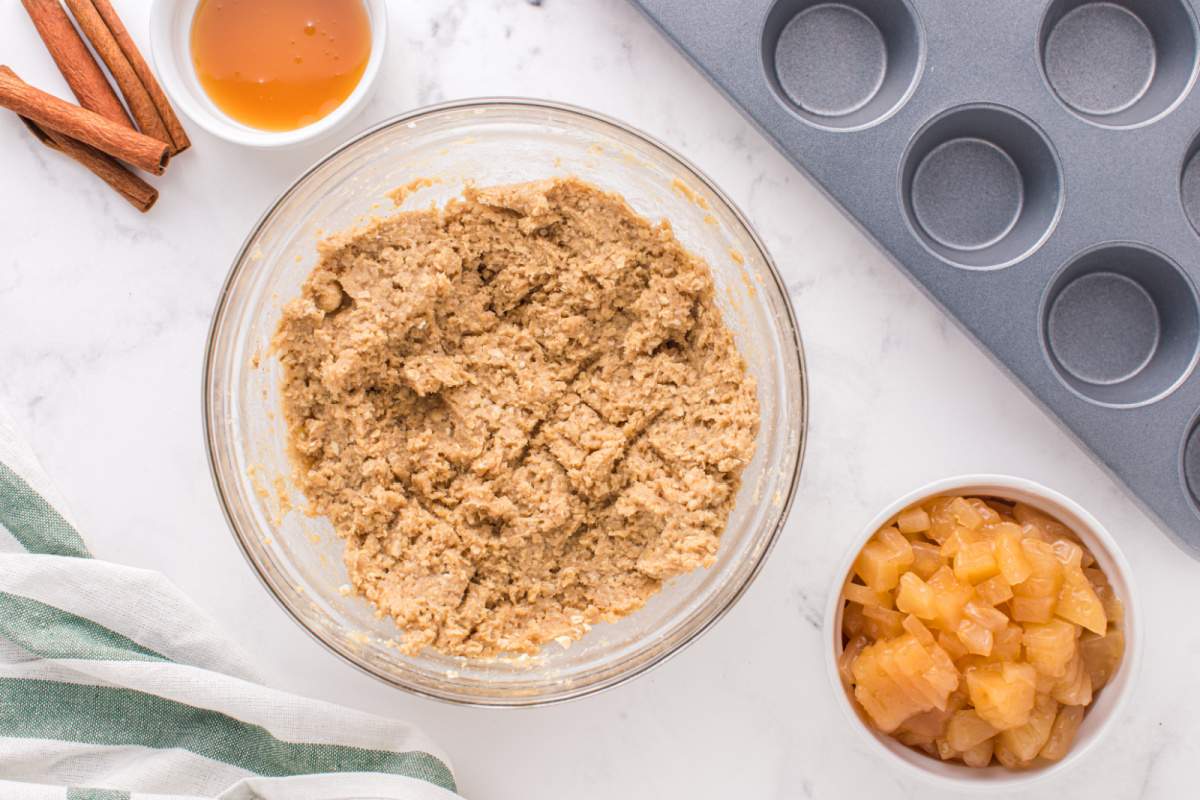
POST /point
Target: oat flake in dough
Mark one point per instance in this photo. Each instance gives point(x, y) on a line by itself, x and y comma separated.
point(522, 413)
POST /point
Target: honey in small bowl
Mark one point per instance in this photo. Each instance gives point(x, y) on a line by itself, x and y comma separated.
point(279, 65)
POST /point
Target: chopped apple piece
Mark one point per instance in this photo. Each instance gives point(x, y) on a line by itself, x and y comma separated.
point(1032, 609)
point(1062, 733)
point(941, 519)
point(959, 539)
point(927, 559)
point(913, 520)
point(1026, 741)
point(1088, 559)
point(849, 653)
point(976, 638)
point(1028, 515)
point(951, 644)
point(1046, 574)
point(1029, 531)
point(857, 593)
point(965, 514)
point(1010, 556)
point(917, 740)
point(915, 596)
point(1078, 603)
point(926, 726)
point(1005, 755)
point(905, 662)
point(1074, 688)
point(945, 751)
point(882, 623)
point(994, 591)
point(1050, 646)
point(987, 514)
point(919, 631)
point(897, 678)
point(1108, 598)
point(883, 559)
point(980, 755)
point(1102, 656)
point(853, 622)
point(930, 669)
point(970, 660)
point(885, 703)
point(1069, 554)
point(949, 598)
point(1003, 693)
point(967, 729)
point(1002, 507)
point(1047, 586)
point(1006, 644)
point(975, 562)
point(986, 616)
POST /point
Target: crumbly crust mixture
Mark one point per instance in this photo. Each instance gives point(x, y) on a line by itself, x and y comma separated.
point(522, 413)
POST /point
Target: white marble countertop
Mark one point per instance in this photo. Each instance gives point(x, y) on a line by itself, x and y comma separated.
point(103, 317)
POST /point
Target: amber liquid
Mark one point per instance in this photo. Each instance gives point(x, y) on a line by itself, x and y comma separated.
point(279, 65)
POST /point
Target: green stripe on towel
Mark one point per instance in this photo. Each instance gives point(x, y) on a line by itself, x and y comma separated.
point(96, 794)
point(110, 716)
point(33, 522)
point(50, 632)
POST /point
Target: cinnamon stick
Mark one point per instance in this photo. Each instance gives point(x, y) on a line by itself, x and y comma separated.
point(75, 61)
point(51, 113)
point(179, 137)
point(140, 194)
point(129, 70)
point(140, 103)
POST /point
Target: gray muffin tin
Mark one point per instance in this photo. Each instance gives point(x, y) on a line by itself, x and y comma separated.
point(1033, 164)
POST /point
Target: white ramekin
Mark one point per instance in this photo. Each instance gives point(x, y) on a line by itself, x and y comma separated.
point(1101, 715)
point(170, 49)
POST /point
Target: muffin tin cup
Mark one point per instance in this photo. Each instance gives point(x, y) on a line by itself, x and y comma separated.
point(1189, 462)
point(1119, 63)
point(1035, 168)
point(1121, 325)
point(1101, 716)
point(843, 65)
point(1189, 184)
point(981, 186)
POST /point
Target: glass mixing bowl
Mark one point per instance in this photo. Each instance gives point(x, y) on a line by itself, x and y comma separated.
point(488, 142)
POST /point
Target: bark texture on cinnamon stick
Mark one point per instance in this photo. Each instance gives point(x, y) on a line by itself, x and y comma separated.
point(140, 194)
point(51, 113)
point(75, 61)
point(140, 104)
point(146, 100)
point(179, 137)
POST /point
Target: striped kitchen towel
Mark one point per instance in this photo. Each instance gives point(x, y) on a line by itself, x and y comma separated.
point(113, 686)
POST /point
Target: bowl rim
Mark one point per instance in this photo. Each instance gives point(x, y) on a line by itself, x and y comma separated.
point(161, 36)
point(1094, 534)
point(240, 263)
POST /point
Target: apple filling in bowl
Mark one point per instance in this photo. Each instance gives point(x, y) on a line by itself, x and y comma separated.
point(977, 630)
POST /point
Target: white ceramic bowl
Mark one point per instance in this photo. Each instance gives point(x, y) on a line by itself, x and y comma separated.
point(170, 49)
point(1103, 712)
